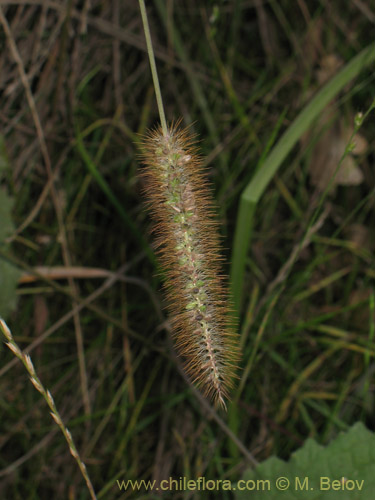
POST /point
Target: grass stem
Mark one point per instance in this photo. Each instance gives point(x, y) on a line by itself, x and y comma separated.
point(154, 72)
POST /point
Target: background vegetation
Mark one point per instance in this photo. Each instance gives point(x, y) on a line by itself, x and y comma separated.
point(75, 91)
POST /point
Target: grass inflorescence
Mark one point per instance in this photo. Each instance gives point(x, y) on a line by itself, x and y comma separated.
point(188, 244)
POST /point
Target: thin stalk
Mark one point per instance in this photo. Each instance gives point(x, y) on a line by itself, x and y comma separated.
point(28, 364)
point(154, 72)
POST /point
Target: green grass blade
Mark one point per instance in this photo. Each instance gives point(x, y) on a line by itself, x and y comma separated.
point(256, 187)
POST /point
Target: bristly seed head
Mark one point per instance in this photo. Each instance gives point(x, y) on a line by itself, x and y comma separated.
point(188, 245)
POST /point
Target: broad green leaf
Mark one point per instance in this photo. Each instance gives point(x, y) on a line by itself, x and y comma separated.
point(6, 224)
point(343, 470)
point(9, 274)
point(3, 157)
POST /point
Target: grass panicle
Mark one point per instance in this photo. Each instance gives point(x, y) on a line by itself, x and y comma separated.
point(188, 243)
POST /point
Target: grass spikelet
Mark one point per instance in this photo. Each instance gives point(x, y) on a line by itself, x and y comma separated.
point(188, 245)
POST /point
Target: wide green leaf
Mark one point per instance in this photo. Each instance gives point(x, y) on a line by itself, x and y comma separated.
point(6, 223)
point(343, 470)
point(9, 274)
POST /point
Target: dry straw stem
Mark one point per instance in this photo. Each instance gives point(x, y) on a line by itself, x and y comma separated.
point(28, 364)
point(188, 244)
